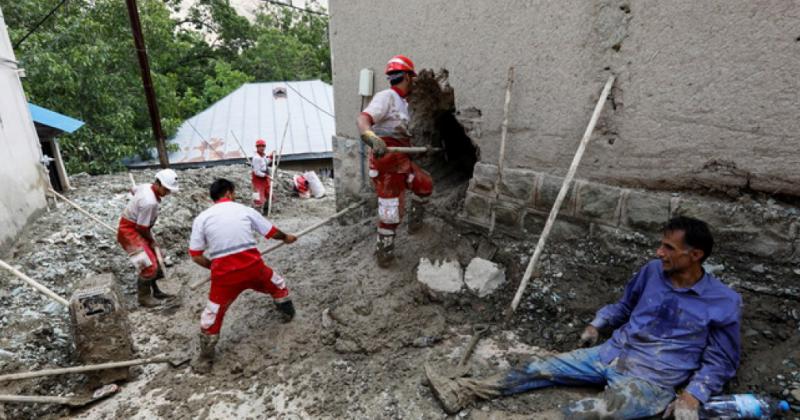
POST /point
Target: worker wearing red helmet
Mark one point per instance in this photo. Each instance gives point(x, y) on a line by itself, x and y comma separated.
point(384, 123)
point(260, 176)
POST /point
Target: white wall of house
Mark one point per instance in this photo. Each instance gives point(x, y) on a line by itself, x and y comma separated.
point(22, 179)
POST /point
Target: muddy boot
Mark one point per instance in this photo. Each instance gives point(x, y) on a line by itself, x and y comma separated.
point(384, 250)
point(157, 293)
point(143, 293)
point(457, 394)
point(416, 216)
point(204, 361)
point(265, 208)
point(287, 310)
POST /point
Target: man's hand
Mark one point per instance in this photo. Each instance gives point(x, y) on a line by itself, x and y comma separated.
point(685, 407)
point(289, 239)
point(589, 337)
point(377, 143)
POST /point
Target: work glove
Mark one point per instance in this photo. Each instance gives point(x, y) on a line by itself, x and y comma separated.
point(140, 260)
point(589, 337)
point(376, 143)
point(684, 407)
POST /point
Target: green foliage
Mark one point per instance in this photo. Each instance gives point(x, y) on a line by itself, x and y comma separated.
point(82, 63)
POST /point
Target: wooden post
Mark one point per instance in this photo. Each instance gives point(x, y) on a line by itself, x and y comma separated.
point(33, 283)
point(503, 135)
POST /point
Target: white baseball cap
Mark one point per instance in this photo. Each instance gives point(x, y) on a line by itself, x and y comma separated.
point(168, 179)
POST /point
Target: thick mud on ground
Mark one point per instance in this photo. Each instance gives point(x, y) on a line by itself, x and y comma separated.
point(362, 334)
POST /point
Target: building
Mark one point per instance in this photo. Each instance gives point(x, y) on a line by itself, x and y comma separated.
point(49, 125)
point(293, 117)
point(25, 182)
point(706, 95)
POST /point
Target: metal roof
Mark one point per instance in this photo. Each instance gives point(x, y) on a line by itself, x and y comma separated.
point(259, 111)
point(52, 119)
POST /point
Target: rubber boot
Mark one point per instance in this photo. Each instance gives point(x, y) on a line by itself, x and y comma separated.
point(143, 293)
point(384, 250)
point(265, 208)
point(157, 293)
point(204, 360)
point(456, 394)
point(416, 216)
point(287, 310)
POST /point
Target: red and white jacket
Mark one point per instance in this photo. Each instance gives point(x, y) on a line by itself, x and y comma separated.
point(388, 113)
point(142, 209)
point(225, 234)
point(260, 165)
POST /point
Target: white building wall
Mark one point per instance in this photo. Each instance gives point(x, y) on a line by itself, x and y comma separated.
point(22, 179)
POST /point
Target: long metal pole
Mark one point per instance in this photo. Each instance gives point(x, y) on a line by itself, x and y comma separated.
point(561, 194)
point(147, 81)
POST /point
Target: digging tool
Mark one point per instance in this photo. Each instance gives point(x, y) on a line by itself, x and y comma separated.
point(275, 163)
point(76, 401)
point(561, 195)
point(462, 369)
point(175, 360)
point(298, 235)
point(413, 150)
point(33, 283)
point(503, 135)
point(156, 249)
point(236, 139)
point(80, 209)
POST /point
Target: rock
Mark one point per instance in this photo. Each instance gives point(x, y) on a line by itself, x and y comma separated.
point(795, 393)
point(484, 277)
point(441, 277)
point(713, 268)
point(53, 308)
point(758, 268)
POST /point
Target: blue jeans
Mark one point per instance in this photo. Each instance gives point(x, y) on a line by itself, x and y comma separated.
point(625, 397)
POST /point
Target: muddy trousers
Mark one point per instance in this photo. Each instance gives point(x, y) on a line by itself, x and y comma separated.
point(261, 187)
point(227, 287)
point(132, 242)
point(624, 397)
point(391, 190)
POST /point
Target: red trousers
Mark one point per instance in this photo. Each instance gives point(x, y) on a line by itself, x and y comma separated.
point(227, 287)
point(392, 175)
point(261, 186)
point(132, 242)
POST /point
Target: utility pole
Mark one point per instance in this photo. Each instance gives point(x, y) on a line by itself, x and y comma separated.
point(144, 65)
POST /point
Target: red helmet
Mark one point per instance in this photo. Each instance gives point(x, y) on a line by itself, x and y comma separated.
point(400, 63)
point(261, 142)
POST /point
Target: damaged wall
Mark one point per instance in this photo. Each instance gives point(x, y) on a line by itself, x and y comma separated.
point(706, 94)
point(22, 192)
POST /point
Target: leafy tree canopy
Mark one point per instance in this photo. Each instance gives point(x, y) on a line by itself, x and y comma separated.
point(81, 62)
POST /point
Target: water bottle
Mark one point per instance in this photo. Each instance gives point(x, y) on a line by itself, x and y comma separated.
point(743, 406)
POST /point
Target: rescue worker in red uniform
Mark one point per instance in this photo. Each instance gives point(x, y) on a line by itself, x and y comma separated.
point(222, 240)
point(260, 176)
point(135, 236)
point(384, 123)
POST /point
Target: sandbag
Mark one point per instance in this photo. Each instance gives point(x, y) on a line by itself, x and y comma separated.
point(317, 189)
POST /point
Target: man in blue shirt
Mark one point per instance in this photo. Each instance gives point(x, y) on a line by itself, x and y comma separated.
point(675, 342)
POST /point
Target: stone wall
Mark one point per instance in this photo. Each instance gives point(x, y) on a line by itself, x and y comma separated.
point(706, 93)
point(526, 197)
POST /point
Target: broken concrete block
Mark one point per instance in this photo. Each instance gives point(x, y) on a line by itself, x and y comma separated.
point(598, 202)
point(100, 327)
point(646, 211)
point(484, 277)
point(484, 176)
point(441, 276)
point(519, 184)
point(508, 214)
point(478, 207)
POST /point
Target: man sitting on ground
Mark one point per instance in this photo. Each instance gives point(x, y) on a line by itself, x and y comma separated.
point(676, 330)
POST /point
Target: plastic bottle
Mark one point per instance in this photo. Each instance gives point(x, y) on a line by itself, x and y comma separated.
point(743, 406)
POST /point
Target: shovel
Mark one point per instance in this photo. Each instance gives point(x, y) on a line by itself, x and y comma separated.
point(175, 360)
point(76, 401)
point(462, 369)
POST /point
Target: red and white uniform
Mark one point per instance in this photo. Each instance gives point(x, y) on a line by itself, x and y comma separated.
point(393, 173)
point(137, 219)
point(224, 233)
point(260, 177)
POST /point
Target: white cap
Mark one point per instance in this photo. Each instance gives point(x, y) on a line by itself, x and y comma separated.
point(168, 179)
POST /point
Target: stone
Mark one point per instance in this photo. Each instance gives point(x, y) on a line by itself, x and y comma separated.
point(100, 327)
point(508, 214)
point(519, 184)
point(484, 277)
point(478, 207)
point(441, 276)
point(795, 393)
point(646, 211)
point(484, 176)
point(548, 192)
point(598, 202)
point(758, 268)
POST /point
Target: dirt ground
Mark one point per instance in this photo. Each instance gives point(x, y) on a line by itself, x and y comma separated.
point(362, 334)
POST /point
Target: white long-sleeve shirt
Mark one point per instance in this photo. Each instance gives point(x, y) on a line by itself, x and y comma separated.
point(260, 165)
point(142, 208)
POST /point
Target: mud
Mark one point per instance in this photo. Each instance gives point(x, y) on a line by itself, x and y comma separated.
point(357, 346)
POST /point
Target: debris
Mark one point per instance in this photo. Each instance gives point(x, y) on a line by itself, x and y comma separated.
point(759, 268)
point(484, 277)
point(444, 276)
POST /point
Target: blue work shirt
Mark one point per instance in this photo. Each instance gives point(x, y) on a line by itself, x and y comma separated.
point(670, 335)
